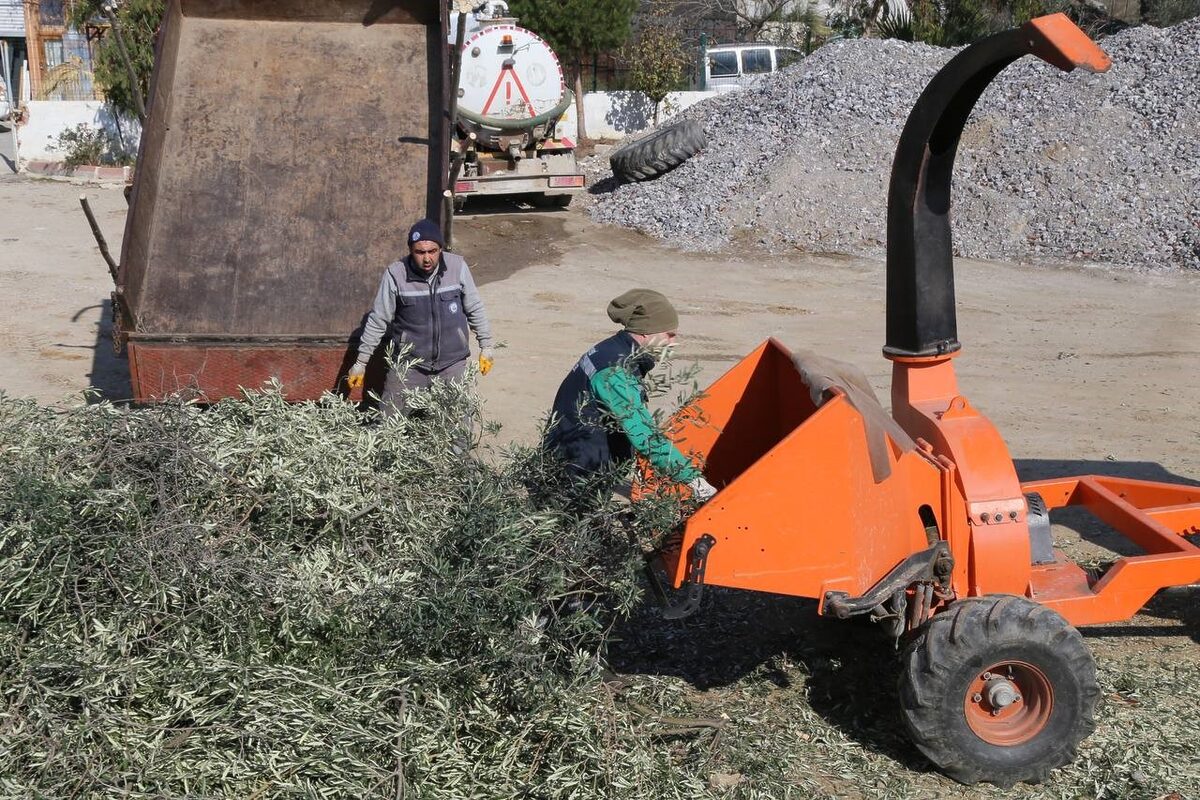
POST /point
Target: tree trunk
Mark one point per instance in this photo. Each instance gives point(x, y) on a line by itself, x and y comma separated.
point(581, 131)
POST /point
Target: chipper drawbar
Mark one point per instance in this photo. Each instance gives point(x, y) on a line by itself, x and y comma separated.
point(917, 518)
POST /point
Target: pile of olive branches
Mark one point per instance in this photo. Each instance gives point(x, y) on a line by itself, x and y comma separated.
point(264, 599)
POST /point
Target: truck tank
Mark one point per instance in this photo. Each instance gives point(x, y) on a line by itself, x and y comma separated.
point(515, 132)
point(288, 146)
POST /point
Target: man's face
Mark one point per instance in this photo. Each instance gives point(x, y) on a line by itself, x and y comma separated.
point(661, 340)
point(657, 343)
point(425, 254)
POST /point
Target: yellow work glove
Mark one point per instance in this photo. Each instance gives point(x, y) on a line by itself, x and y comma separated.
point(486, 359)
point(354, 379)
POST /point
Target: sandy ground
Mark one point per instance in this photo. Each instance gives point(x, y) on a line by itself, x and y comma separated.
point(1071, 364)
point(1082, 370)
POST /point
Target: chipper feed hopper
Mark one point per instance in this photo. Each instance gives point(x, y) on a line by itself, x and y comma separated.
point(917, 518)
point(288, 146)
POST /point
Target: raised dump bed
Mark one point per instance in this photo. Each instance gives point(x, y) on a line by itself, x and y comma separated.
point(288, 146)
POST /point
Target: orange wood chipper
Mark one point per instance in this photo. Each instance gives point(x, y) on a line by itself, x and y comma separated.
point(917, 518)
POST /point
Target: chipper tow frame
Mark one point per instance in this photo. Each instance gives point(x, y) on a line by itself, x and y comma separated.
point(918, 518)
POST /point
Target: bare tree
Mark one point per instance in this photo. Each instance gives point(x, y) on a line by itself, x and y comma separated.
point(750, 16)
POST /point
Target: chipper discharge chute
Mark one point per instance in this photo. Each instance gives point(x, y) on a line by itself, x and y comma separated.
point(288, 146)
point(917, 518)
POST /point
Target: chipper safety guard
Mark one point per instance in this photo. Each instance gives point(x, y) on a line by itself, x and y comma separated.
point(917, 518)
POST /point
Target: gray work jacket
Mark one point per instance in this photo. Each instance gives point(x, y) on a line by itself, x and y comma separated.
point(430, 312)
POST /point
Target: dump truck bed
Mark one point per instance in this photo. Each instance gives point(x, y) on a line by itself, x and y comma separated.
point(288, 146)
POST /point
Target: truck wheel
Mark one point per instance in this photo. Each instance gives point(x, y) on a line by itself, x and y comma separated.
point(658, 153)
point(998, 689)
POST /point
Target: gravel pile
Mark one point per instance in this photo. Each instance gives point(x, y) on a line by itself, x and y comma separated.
point(1053, 166)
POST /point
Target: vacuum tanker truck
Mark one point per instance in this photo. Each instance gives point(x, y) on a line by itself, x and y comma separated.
point(516, 122)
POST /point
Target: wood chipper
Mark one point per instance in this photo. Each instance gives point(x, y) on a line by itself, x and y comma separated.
point(288, 146)
point(917, 518)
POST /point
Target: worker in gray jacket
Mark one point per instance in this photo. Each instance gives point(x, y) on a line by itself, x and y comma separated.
point(427, 300)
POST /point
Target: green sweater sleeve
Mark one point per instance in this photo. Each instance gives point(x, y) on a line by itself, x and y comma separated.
point(620, 393)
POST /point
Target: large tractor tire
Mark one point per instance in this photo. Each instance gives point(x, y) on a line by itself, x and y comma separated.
point(998, 689)
point(658, 153)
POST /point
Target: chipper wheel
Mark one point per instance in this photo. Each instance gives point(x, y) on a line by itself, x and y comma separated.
point(998, 689)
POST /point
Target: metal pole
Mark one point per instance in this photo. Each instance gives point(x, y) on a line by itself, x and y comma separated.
point(456, 159)
point(703, 62)
point(135, 87)
point(456, 70)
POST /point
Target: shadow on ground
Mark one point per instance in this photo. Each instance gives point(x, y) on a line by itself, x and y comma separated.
point(1035, 469)
point(110, 372)
point(605, 185)
point(512, 204)
point(1179, 604)
point(849, 668)
point(500, 242)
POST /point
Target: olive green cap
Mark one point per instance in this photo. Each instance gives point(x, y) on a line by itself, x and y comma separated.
point(644, 311)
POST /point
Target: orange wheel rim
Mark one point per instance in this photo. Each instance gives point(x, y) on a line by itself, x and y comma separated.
point(1008, 703)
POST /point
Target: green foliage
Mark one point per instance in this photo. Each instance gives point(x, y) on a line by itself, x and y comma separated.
point(897, 26)
point(657, 58)
point(1164, 13)
point(271, 599)
point(577, 27)
point(83, 144)
point(139, 21)
point(948, 23)
point(1024, 10)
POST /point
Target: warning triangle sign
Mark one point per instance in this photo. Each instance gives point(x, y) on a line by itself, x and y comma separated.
point(509, 92)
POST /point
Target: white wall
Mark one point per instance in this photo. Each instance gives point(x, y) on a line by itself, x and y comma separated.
point(46, 119)
point(614, 115)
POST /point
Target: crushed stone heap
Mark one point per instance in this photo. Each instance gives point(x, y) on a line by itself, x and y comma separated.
point(1052, 166)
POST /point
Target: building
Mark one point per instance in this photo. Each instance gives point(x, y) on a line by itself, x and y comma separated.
point(60, 57)
point(12, 53)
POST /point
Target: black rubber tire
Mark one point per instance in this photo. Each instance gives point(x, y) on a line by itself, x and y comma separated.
point(658, 153)
point(952, 650)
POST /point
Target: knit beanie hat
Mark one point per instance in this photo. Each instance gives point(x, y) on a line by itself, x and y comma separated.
point(643, 311)
point(425, 229)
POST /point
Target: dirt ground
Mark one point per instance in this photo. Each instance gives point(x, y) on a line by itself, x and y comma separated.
point(1082, 369)
point(1072, 364)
